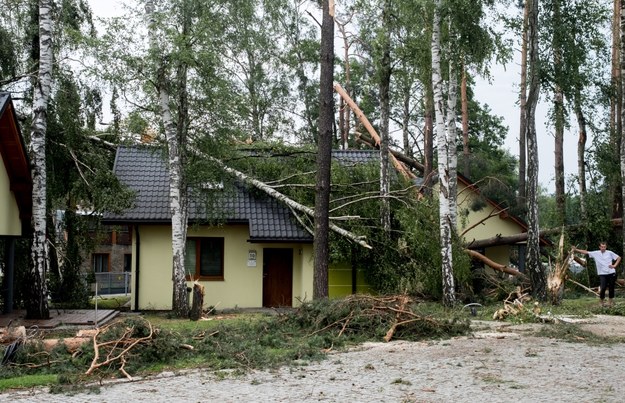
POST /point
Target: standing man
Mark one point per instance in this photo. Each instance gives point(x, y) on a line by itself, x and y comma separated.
point(606, 262)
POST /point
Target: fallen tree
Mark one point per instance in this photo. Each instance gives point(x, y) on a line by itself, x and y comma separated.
point(492, 264)
point(286, 200)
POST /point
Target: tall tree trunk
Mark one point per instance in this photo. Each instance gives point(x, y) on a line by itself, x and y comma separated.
point(326, 119)
point(617, 104)
point(534, 266)
point(443, 145)
point(465, 123)
point(37, 302)
point(428, 132)
point(559, 117)
point(406, 121)
point(622, 91)
point(344, 111)
point(452, 137)
point(559, 155)
point(384, 75)
point(581, 158)
point(522, 192)
point(177, 199)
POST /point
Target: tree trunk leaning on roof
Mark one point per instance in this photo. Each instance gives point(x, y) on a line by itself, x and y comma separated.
point(360, 240)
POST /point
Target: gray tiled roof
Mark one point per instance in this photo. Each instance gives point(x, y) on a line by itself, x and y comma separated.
point(144, 170)
point(356, 156)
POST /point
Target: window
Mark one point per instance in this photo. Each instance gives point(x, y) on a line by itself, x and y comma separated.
point(123, 236)
point(127, 262)
point(100, 262)
point(204, 259)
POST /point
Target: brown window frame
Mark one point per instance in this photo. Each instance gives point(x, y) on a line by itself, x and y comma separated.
point(198, 249)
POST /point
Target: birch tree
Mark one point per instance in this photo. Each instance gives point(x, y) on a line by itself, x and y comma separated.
point(534, 265)
point(37, 304)
point(444, 146)
point(178, 201)
point(522, 189)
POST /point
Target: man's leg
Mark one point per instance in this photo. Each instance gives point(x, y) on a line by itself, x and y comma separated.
point(603, 282)
point(611, 284)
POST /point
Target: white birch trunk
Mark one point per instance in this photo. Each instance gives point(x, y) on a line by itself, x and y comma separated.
point(177, 199)
point(443, 164)
point(37, 306)
point(452, 133)
point(534, 265)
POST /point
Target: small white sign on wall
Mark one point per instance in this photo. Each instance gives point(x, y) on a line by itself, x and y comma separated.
point(251, 258)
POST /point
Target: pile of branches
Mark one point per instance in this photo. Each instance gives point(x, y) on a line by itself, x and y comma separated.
point(375, 318)
point(113, 344)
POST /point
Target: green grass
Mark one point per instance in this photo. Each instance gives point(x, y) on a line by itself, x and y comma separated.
point(110, 302)
point(239, 342)
point(28, 381)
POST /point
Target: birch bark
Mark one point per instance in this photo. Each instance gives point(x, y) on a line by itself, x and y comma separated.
point(534, 266)
point(37, 304)
point(177, 199)
point(445, 219)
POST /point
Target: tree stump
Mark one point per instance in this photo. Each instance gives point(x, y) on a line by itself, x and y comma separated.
point(198, 302)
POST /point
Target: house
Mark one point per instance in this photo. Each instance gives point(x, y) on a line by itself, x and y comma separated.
point(15, 193)
point(247, 249)
point(479, 218)
point(110, 261)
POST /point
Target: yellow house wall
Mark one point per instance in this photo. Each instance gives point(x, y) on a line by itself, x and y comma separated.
point(9, 212)
point(340, 280)
point(489, 226)
point(242, 284)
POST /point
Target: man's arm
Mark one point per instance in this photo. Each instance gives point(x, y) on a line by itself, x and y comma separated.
point(583, 251)
point(618, 260)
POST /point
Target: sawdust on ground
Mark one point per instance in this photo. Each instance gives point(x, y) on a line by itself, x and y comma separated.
point(497, 363)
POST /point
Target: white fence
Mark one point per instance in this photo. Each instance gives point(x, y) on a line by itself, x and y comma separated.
point(113, 283)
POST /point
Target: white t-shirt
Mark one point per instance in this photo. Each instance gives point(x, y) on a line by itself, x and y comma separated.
point(603, 261)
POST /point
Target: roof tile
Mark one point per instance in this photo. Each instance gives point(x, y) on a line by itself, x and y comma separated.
point(144, 170)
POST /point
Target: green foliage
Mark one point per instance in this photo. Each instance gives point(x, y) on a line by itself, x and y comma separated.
point(415, 261)
point(8, 57)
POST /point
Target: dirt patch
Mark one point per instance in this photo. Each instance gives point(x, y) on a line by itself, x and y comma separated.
point(497, 363)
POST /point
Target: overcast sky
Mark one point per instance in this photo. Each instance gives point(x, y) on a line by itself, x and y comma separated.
point(501, 95)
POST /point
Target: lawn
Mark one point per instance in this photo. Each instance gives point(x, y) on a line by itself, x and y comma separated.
point(242, 341)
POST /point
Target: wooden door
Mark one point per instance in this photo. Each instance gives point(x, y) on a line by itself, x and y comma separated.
point(277, 277)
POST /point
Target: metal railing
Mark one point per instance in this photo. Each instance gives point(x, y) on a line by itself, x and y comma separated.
point(113, 283)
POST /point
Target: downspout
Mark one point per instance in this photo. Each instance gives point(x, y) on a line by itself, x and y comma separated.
point(137, 265)
point(8, 279)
